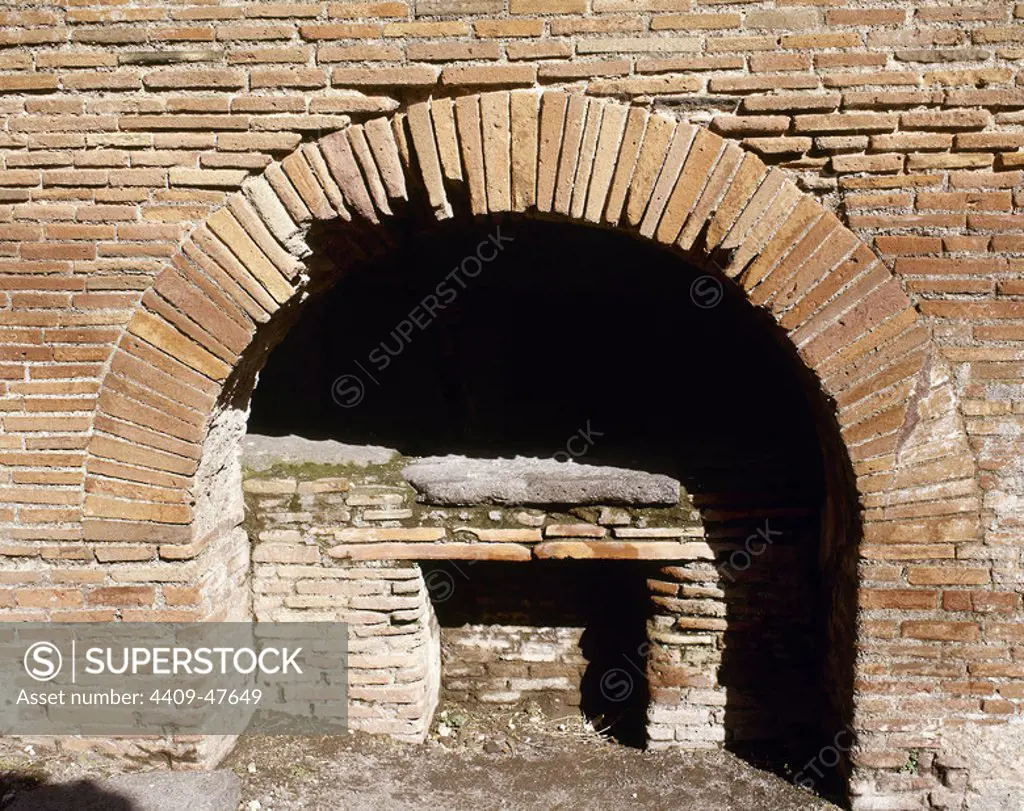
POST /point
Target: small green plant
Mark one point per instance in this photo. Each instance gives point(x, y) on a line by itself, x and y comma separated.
point(910, 767)
point(454, 718)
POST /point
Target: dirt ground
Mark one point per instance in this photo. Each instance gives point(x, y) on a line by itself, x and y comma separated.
point(510, 759)
point(518, 759)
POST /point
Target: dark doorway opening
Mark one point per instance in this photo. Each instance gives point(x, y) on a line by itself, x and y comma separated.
point(572, 329)
point(562, 634)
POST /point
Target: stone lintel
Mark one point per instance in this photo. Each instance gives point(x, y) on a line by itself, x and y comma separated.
point(428, 551)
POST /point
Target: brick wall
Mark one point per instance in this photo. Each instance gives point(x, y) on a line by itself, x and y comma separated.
point(432, 603)
point(667, 626)
point(508, 665)
point(897, 132)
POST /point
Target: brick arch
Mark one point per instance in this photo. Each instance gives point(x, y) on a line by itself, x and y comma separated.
point(594, 161)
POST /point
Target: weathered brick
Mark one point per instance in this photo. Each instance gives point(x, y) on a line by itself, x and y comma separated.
point(288, 77)
point(423, 28)
point(845, 122)
point(795, 18)
point(285, 553)
point(341, 31)
point(193, 79)
point(508, 28)
point(210, 178)
point(483, 75)
point(734, 126)
point(29, 82)
point(945, 119)
point(121, 596)
point(694, 22)
point(940, 631)
point(587, 45)
point(546, 6)
point(909, 599)
point(453, 51)
point(417, 76)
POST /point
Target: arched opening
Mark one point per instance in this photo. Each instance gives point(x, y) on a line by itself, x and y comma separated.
point(162, 462)
point(572, 333)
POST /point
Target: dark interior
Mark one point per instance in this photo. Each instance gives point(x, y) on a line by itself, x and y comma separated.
point(612, 679)
point(566, 327)
point(573, 331)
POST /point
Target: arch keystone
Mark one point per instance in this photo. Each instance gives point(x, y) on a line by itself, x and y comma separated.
point(585, 163)
point(525, 120)
point(552, 118)
point(613, 128)
point(625, 164)
point(495, 127)
point(572, 138)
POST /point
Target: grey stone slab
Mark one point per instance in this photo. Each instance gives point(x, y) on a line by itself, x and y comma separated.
point(263, 452)
point(152, 791)
point(460, 480)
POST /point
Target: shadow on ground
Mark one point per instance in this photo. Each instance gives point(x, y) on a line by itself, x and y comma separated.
point(26, 792)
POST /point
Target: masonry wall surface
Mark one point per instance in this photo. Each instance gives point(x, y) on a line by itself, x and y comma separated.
point(125, 125)
point(350, 544)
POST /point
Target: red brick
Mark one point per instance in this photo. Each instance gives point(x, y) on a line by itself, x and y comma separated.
point(194, 79)
point(121, 596)
point(940, 631)
point(909, 599)
point(48, 598)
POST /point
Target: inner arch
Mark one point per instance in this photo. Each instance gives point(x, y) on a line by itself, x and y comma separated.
point(572, 329)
